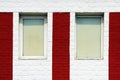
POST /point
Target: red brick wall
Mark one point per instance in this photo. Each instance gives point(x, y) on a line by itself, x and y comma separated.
point(6, 25)
point(114, 47)
point(61, 33)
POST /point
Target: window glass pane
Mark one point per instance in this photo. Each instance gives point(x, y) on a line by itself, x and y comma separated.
point(33, 37)
point(88, 36)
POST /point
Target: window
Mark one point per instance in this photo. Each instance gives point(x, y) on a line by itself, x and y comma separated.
point(33, 37)
point(89, 37)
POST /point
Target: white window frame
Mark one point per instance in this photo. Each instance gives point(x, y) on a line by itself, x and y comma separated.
point(21, 37)
point(102, 39)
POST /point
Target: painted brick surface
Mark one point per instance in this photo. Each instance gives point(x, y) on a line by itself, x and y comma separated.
point(6, 26)
point(59, 5)
point(42, 69)
point(89, 69)
point(114, 48)
point(31, 69)
point(60, 61)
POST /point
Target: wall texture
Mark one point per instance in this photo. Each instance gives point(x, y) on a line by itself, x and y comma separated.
point(88, 69)
point(60, 48)
point(59, 6)
point(6, 26)
point(31, 69)
point(42, 69)
point(114, 53)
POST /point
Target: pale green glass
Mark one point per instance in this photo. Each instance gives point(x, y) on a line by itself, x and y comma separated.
point(33, 37)
point(88, 37)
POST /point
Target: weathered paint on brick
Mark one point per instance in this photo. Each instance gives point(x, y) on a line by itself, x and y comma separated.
point(42, 69)
point(6, 47)
point(60, 48)
point(114, 46)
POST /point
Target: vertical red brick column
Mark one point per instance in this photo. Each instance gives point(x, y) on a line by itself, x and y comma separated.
point(61, 33)
point(114, 47)
point(6, 24)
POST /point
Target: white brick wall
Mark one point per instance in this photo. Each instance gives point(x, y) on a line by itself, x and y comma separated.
point(31, 69)
point(59, 5)
point(88, 69)
point(42, 69)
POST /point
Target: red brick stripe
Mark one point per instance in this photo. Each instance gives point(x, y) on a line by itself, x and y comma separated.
point(6, 25)
point(114, 47)
point(60, 48)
